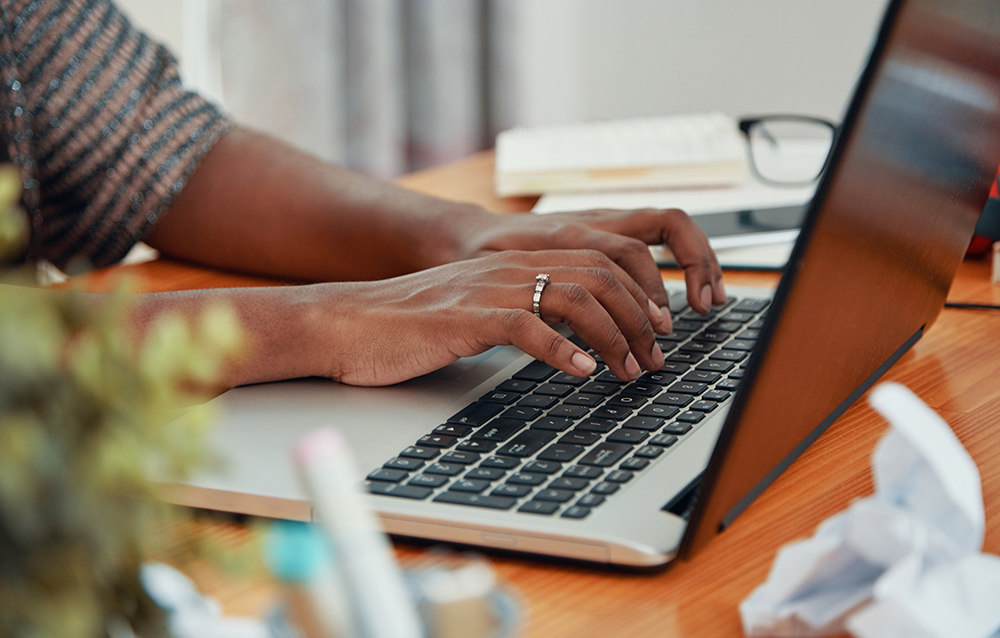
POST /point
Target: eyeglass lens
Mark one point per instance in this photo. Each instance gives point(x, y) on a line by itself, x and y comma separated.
point(789, 151)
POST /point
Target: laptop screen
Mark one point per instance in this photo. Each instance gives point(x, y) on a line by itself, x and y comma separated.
point(881, 243)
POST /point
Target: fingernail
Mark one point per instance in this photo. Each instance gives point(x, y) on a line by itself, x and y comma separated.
point(706, 297)
point(584, 364)
point(656, 312)
point(657, 356)
point(632, 368)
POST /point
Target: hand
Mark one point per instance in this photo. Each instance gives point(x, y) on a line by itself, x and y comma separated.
point(623, 236)
point(388, 331)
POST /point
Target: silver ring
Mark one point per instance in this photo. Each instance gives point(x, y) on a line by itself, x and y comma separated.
point(541, 280)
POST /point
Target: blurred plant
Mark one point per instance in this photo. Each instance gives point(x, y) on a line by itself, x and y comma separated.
point(87, 423)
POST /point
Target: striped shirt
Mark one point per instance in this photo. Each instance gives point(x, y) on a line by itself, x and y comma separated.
point(94, 115)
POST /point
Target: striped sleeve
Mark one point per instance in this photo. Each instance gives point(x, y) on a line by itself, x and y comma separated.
point(97, 120)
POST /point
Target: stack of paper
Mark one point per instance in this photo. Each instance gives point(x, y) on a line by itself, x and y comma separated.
point(703, 149)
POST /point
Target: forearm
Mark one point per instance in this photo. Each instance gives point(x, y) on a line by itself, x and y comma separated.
point(258, 205)
point(283, 331)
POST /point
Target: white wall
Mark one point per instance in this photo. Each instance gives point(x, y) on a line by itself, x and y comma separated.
point(580, 60)
point(592, 59)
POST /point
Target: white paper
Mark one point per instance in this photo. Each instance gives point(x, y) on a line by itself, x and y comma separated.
point(189, 613)
point(902, 562)
point(694, 201)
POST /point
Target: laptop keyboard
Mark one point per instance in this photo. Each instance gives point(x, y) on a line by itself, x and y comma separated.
point(547, 443)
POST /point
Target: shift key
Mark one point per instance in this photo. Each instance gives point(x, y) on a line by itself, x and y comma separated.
point(527, 443)
point(605, 454)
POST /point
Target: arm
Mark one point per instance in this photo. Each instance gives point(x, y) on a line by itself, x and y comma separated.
point(453, 280)
point(259, 206)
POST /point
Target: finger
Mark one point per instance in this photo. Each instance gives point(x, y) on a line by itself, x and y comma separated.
point(680, 234)
point(605, 316)
point(658, 317)
point(690, 248)
point(534, 337)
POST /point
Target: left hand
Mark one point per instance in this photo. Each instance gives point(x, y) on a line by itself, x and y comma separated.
point(624, 236)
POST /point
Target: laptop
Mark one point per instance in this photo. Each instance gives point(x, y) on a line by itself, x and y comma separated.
point(500, 451)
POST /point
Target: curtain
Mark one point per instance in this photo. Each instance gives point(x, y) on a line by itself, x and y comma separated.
point(383, 86)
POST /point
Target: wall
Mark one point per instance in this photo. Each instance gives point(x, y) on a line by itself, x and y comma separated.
point(592, 59)
point(577, 60)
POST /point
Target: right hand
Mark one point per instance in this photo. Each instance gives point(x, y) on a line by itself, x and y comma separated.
point(384, 332)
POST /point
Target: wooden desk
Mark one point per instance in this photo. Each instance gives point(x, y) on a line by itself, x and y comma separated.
point(954, 368)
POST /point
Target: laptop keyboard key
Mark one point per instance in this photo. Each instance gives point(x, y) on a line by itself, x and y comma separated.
point(535, 371)
point(444, 469)
point(605, 454)
point(476, 500)
point(554, 423)
point(405, 464)
point(485, 474)
point(462, 458)
point(591, 500)
point(568, 411)
point(659, 411)
point(671, 399)
point(649, 452)
point(676, 428)
point(634, 464)
point(436, 440)
point(620, 476)
point(690, 417)
point(752, 305)
point(583, 471)
point(538, 401)
point(403, 491)
point(500, 463)
point(576, 512)
point(477, 413)
point(427, 480)
point(561, 452)
point(663, 440)
point(580, 437)
point(648, 423)
point(499, 430)
point(516, 385)
point(524, 478)
point(628, 435)
point(477, 447)
point(542, 467)
point(602, 426)
point(472, 486)
point(415, 452)
point(701, 376)
point(389, 476)
point(555, 496)
point(564, 483)
point(604, 488)
point(452, 429)
point(511, 491)
point(539, 507)
point(526, 443)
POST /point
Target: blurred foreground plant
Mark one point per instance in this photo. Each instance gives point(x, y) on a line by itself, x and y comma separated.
point(87, 423)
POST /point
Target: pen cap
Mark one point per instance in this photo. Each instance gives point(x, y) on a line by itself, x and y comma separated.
point(296, 551)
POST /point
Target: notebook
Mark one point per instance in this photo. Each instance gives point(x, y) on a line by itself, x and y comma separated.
point(692, 150)
point(881, 242)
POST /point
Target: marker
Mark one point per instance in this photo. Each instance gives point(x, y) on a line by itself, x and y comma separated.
point(382, 604)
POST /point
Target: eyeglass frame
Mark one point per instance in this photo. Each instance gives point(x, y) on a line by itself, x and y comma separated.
point(745, 124)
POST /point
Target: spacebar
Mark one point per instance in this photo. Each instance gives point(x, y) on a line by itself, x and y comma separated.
point(463, 498)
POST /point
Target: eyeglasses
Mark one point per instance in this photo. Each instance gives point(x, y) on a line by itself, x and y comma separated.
point(788, 150)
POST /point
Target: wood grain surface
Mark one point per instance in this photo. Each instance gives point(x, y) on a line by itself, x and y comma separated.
point(955, 368)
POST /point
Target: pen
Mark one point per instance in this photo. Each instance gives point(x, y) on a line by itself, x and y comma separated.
point(382, 605)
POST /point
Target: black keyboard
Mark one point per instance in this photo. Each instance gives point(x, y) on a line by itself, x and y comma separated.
point(546, 443)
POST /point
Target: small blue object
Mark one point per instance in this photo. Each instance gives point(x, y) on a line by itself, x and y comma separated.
point(294, 551)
